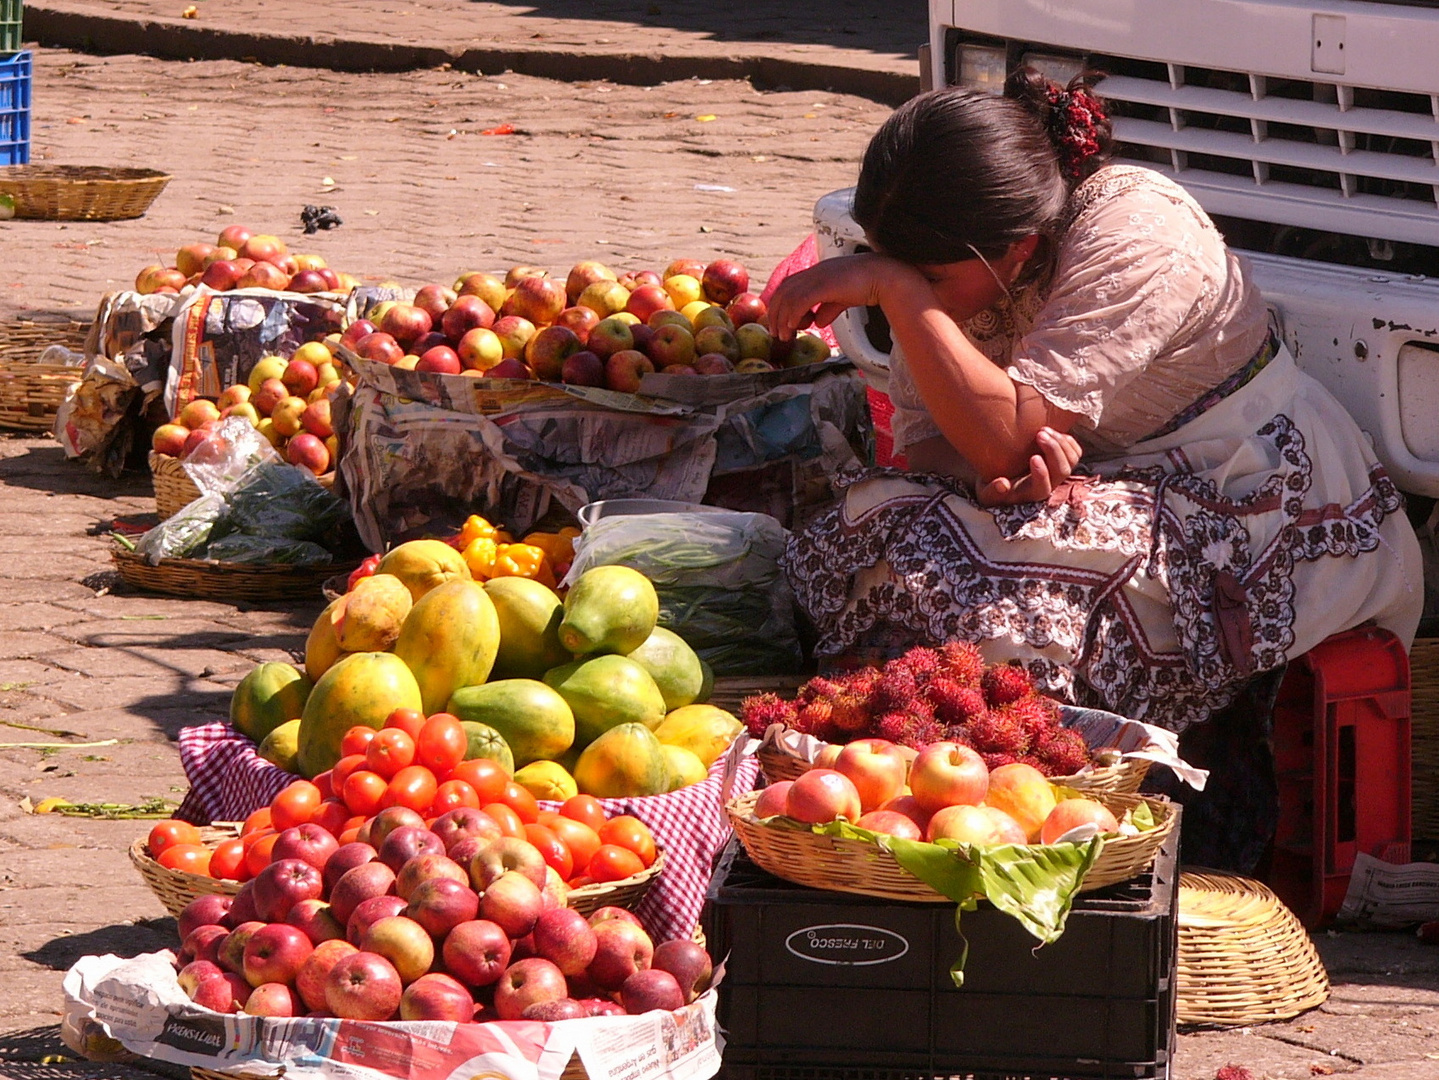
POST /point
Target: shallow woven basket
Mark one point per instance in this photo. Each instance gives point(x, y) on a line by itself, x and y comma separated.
point(176, 888)
point(174, 490)
point(625, 893)
point(857, 866)
point(1123, 778)
point(211, 580)
point(31, 393)
point(25, 339)
point(730, 691)
point(81, 192)
point(1244, 958)
point(573, 1071)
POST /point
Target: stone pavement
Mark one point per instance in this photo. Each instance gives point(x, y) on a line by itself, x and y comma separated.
point(620, 170)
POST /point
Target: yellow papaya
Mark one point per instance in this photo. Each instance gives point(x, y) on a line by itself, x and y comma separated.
point(368, 618)
point(282, 746)
point(424, 564)
point(531, 717)
point(266, 697)
point(363, 688)
point(624, 762)
point(547, 780)
point(449, 640)
point(322, 647)
point(610, 609)
point(530, 615)
point(685, 768)
point(704, 730)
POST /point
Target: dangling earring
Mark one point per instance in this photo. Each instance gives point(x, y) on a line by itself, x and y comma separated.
point(992, 272)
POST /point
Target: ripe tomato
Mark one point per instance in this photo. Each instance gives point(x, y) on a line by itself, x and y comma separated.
point(585, 808)
point(191, 858)
point(410, 721)
point(260, 819)
point(294, 805)
point(630, 832)
point(356, 740)
point(552, 848)
point(169, 833)
point(390, 751)
point(258, 857)
point(343, 770)
point(250, 839)
point(325, 781)
point(521, 802)
point(441, 744)
point(506, 818)
point(487, 777)
point(582, 840)
point(453, 794)
point(414, 787)
point(349, 836)
point(228, 860)
point(363, 792)
point(611, 862)
point(331, 815)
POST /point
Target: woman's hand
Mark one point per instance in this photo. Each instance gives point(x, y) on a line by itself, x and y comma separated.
point(1059, 453)
point(817, 296)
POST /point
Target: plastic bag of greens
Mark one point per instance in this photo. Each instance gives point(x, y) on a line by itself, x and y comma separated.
point(184, 532)
point(279, 500)
point(244, 548)
point(717, 574)
point(225, 460)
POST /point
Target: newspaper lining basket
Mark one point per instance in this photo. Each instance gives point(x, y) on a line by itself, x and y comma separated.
point(856, 866)
point(1244, 958)
point(81, 192)
point(176, 888)
point(212, 580)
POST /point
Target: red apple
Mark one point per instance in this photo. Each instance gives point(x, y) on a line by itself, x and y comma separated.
point(332, 279)
point(515, 274)
point(713, 364)
point(555, 893)
point(877, 769)
point(548, 350)
point(370, 912)
point(440, 358)
point(465, 314)
point(948, 774)
point(363, 986)
point(196, 972)
point(196, 439)
point(583, 369)
point(263, 247)
point(404, 943)
point(909, 806)
point(190, 259)
point(503, 855)
point(316, 418)
point(404, 843)
point(512, 901)
point(723, 280)
point(431, 340)
point(678, 369)
point(234, 236)
point(405, 323)
point(747, 307)
point(625, 369)
point(272, 999)
point(610, 336)
point(300, 377)
point(966, 823)
point(514, 334)
point(602, 1006)
point(426, 867)
point(208, 910)
point(621, 949)
point(434, 301)
point(346, 857)
point(283, 884)
point(388, 820)
point(309, 452)
point(672, 344)
point(510, 368)
point(645, 991)
point(226, 994)
point(579, 319)
point(204, 943)
point(356, 330)
point(537, 299)
point(264, 275)
point(548, 1012)
point(274, 953)
point(688, 962)
point(610, 911)
point(487, 287)
point(219, 254)
point(565, 938)
point(693, 267)
point(308, 281)
point(437, 997)
point(526, 983)
point(1093, 818)
point(441, 904)
point(358, 884)
point(646, 300)
point(822, 795)
point(307, 842)
point(316, 920)
point(199, 412)
point(242, 909)
point(222, 275)
point(583, 274)
point(771, 801)
point(269, 394)
point(463, 823)
point(891, 824)
point(310, 981)
point(169, 439)
point(476, 952)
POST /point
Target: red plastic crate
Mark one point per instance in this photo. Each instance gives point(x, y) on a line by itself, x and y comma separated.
point(1341, 755)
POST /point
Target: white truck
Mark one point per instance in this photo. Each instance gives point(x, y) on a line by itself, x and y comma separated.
point(1309, 131)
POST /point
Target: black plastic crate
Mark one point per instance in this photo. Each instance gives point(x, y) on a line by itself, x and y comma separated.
point(835, 986)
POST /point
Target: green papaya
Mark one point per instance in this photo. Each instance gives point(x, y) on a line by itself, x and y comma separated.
point(362, 688)
point(530, 615)
point(607, 690)
point(270, 694)
point(707, 684)
point(449, 640)
point(486, 742)
point(673, 666)
point(611, 609)
point(534, 720)
point(624, 762)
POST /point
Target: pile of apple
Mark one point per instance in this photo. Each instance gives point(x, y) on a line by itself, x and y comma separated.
point(943, 791)
point(241, 259)
point(453, 921)
point(287, 401)
point(595, 328)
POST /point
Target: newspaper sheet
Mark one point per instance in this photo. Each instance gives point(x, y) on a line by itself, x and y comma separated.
point(1384, 894)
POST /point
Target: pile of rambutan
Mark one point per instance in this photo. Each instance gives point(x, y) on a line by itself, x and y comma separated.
point(928, 696)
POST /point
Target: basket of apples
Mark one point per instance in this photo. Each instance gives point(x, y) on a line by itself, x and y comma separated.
point(243, 259)
point(928, 695)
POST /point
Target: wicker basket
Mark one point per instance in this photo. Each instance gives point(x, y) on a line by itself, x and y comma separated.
point(1244, 958)
point(573, 1071)
point(1424, 728)
point(81, 192)
point(857, 866)
point(730, 691)
point(31, 394)
point(174, 490)
point(625, 893)
point(206, 579)
point(176, 888)
point(26, 339)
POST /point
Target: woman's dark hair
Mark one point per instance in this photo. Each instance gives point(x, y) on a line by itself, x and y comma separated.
point(956, 167)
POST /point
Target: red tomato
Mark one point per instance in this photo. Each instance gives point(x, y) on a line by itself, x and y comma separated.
point(356, 740)
point(552, 848)
point(585, 808)
point(258, 857)
point(390, 751)
point(582, 840)
point(611, 862)
point(250, 839)
point(228, 860)
point(413, 786)
point(349, 836)
point(441, 744)
point(343, 770)
point(331, 815)
point(171, 833)
point(363, 792)
point(506, 818)
point(410, 721)
point(191, 858)
point(630, 832)
point(487, 777)
point(326, 783)
point(453, 794)
point(260, 819)
point(294, 805)
point(521, 802)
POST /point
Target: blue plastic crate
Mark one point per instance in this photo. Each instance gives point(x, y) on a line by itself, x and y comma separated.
point(15, 109)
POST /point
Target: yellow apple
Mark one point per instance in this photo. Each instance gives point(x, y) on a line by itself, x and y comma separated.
point(267, 367)
point(684, 289)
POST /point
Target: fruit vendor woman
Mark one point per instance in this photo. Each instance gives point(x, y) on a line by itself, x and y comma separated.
point(1116, 473)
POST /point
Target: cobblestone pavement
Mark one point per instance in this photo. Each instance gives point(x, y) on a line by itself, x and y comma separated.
point(598, 169)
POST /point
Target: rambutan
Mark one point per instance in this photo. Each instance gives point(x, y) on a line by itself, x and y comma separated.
point(962, 662)
point(908, 727)
point(759, 711)
point(815, 716)
point(1005, 683)
point(953, 702)
point(896, 689)
point(994, 761)
point(895, 726)
point(850, 711)
point(1062, 750)
point(818, 687)
point(1034, 715)
point(923, 663)
point(1032, 762)
point(997, 731)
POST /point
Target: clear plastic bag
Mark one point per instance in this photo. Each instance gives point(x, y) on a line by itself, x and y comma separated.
point(244, 548)
point(223, 462)
point(283, 501)
point(184, 532)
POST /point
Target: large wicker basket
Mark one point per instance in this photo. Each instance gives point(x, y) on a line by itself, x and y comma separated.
point(81, 192)
point(26, 339)
point(1244, 958)
point(174, 490)
point(31, 394)
point(856, 866)
point(236, 582)
point(1424, 720)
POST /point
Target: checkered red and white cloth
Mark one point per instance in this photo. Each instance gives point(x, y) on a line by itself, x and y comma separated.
point(229, 781)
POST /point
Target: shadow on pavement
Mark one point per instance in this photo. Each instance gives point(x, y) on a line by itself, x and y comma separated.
point(38, 1053)
point(44, 468)
point(123, 939)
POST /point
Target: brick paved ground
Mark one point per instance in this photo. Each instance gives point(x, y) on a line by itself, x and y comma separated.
point(598, 170)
